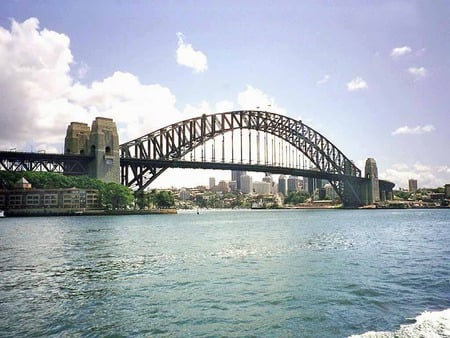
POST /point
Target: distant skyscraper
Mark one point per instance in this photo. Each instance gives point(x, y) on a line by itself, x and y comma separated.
point(261, 188)
point(282, 185)
point(412, 184)
point(236, 176)
point(246, 184)
point(223, 186)
point(292, 184)
point(212, 182)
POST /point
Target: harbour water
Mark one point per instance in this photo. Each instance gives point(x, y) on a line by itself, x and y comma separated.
point(233, 273)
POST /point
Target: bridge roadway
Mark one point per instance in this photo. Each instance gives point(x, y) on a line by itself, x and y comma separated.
point(77, 165)
point(173, 163)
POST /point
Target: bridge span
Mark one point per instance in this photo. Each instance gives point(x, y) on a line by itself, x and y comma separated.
point(248, 140)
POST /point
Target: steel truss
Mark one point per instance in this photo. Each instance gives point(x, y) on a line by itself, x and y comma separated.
point(22, 161)
point(173, 142)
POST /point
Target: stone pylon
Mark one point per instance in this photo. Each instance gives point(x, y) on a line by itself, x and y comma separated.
point(100, 141)
point(373, 186)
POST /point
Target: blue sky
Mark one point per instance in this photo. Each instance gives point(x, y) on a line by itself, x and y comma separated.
point(372, 76)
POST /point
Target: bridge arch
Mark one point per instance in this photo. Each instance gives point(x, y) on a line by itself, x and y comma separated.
point(175, 141)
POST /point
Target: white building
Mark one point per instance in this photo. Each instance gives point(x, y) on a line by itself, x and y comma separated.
point(261, 188)
point(246, 184)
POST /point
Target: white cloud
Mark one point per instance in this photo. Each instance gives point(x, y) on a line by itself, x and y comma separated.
point(427, 176)
point(418, 72)
point(34, 73)
point(405, 130)
point(254, 99)
point(40, 98)
point(323, 80)
point(194, 111)
point(189, 57)
point(400, 51)
point(357, 84)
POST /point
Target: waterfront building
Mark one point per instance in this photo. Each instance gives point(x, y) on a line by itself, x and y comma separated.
point(412, 185)
point(282, 185)
point(246, 184)
point(233, 186)
point(49, 199)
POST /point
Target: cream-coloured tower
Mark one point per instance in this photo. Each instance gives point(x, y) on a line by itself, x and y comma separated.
point(100, 141)
point(373, 188)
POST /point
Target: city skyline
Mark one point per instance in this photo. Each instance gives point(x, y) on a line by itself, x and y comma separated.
point(369, 77)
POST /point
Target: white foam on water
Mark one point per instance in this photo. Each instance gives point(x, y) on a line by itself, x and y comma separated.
point(428, 325)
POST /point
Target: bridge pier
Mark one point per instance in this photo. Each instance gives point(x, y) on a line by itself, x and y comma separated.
point(100, 141)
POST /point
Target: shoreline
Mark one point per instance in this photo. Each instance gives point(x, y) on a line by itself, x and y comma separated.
point(86, 212)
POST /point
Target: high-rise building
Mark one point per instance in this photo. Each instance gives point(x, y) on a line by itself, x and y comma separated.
point(412, 185)
point(282, 185)
point(447, 190)
point(261, 188)
point(212, 183)
point(246, 184)
point(313, 184)
point(236, 176)
point(223, 186)
point(273, 186)
point(292, 184)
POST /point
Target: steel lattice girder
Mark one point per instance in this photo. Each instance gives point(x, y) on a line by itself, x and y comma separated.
point(176, 140)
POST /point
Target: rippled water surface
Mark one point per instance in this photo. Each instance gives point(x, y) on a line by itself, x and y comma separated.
point(299, 273)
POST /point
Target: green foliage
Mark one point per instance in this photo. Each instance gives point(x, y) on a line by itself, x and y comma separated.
point(163, 199)
point(402, 195)
point(115, 195)
point(296, 197)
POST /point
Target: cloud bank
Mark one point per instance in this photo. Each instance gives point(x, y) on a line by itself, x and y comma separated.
point(40, 97)
point(189, 57)
point(426, 176)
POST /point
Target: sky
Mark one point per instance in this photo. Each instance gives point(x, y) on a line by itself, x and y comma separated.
point(371, 76)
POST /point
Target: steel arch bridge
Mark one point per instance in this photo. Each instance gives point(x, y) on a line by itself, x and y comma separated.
point(145, 158)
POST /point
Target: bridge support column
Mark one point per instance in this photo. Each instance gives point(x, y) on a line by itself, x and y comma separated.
point(100, 141)
point(352, 193)
point(373, 185)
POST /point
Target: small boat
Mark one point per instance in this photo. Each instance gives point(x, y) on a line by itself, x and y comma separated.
point(2, 213)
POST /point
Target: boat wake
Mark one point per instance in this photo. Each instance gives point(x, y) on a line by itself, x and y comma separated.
point(428, 324)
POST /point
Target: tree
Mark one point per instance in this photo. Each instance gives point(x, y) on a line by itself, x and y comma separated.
point(296, 197)
point(164, 199)
point(116, 195)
